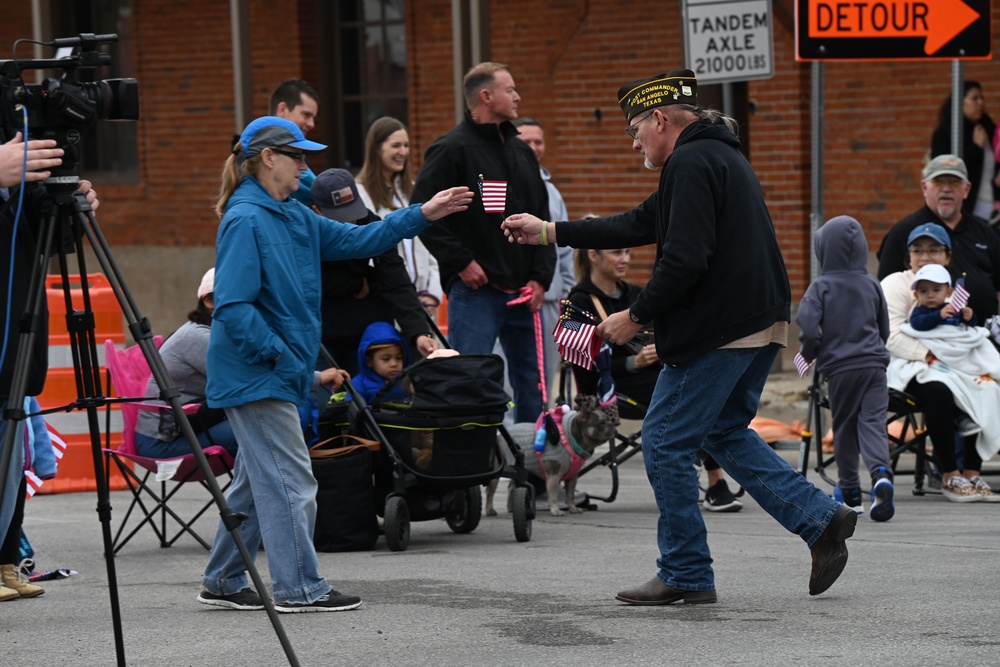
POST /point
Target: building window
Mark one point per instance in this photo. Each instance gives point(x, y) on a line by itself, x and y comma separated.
point(110, 152)
point(364, 73)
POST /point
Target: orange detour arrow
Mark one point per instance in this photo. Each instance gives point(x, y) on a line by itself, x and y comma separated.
point(940, 21)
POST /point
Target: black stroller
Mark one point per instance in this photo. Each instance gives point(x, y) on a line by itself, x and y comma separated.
point(439, 446)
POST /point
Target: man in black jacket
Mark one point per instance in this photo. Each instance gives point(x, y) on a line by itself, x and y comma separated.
point(975, 247)
point(720, 303)
point(480, 272)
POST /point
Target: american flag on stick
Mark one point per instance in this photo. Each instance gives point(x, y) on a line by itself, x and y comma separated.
point(578, 342)
point(960, 297)
point(494, 195)
point(801, 365)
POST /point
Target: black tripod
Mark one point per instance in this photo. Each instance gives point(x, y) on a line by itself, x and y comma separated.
point(67, 217)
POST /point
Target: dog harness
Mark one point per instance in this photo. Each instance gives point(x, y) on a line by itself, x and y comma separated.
point(566, 444)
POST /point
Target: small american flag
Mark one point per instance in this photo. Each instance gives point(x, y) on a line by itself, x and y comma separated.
point(494, 194)
point(34, 483)
point(578, 343)
point(801, 365)
point(58, 444)
point(960, 297)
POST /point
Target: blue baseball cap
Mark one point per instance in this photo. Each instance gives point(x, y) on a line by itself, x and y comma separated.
point(932, 230)
point(274, 132)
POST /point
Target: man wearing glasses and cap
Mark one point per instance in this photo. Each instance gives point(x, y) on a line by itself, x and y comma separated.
point(975, 247)
point(720, 302)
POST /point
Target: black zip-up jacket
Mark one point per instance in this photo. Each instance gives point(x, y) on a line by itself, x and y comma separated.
point(468, 153)
point(719, 274)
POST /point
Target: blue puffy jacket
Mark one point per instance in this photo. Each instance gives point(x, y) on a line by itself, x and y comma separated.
point(267, 291)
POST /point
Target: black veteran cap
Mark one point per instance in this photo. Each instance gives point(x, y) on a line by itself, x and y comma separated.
point(676, 87)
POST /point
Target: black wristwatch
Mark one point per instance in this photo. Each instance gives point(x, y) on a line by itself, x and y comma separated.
point(632, 317)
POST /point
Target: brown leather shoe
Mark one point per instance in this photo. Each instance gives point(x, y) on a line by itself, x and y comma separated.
point(655, 592)
point(829, 553)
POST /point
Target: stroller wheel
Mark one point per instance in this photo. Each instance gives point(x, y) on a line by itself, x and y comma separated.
point(397, 523)
point(468, 510)
point(522, 513)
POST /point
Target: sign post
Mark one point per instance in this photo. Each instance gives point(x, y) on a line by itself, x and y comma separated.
point(728, 40)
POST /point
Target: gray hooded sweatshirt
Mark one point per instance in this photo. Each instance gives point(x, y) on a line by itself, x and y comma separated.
point(843, 319)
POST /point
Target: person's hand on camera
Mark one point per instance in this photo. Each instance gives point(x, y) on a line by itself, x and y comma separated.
point(42, 156)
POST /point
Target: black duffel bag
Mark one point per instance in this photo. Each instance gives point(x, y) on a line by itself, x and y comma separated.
point(345, 500)
point(459, 385)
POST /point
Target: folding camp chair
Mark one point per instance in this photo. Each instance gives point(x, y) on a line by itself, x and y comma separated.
point(906, 434)
point(128, 370)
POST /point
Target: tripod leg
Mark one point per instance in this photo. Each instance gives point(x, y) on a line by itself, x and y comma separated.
point(142, 333)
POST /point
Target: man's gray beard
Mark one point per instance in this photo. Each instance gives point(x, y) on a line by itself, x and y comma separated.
point(649, 165)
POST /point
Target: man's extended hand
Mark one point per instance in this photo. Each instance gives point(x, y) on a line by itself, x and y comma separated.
point(523, 228)
point(447, 202)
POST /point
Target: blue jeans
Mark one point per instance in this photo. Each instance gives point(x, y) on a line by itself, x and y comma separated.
point(274, 486)
point(709, 403)
point(220, 434)
point(476, 318)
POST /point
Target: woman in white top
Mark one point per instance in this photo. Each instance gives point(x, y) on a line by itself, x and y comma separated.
point(385, 184)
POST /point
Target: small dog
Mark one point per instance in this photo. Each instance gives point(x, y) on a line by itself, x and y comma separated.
point(590, 426)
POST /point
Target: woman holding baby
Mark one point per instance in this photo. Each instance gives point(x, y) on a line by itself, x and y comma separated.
point(940, 390)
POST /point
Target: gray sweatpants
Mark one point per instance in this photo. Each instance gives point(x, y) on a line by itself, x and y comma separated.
point(859, 400)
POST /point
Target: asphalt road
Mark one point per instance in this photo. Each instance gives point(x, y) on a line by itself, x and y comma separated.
point(918, 590)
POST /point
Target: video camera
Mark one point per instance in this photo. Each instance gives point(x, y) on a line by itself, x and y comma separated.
point(59, 109)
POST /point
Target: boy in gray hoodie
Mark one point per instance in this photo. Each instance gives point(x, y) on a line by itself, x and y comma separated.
point(843, 325)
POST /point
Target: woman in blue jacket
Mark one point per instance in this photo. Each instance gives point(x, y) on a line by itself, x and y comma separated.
point(262, 354)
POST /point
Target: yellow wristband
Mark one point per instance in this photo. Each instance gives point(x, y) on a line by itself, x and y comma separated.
point(545, 234)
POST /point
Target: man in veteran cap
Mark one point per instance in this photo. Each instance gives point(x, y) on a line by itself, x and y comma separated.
point(975, 247)
point(720, 303)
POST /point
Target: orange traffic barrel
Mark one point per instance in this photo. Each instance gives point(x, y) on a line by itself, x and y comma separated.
point(76, 469)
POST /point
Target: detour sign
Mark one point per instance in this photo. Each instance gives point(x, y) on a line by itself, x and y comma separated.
point(892, 29)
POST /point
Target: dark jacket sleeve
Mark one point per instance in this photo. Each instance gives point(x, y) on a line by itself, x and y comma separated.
point(808, 318)
point(625, 230)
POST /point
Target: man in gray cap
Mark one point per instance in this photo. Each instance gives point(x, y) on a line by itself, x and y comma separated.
point(975, 246)
point(720, 302)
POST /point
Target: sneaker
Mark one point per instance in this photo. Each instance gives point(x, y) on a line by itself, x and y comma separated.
point(719, 498)
point(245, 600)
point(882, 492)
point(849, 498)
point(985, 491)
point(966, 426)
point(960, 490)
point(332, 601)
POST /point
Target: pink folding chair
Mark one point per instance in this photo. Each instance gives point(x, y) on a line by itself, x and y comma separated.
point(128, 369)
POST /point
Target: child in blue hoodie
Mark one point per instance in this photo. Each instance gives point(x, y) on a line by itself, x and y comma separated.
point(843, 325)
point(382, 355)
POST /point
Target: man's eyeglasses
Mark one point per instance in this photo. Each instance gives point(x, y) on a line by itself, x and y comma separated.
point(928, 251)
point(295, 155)
point(633, 129)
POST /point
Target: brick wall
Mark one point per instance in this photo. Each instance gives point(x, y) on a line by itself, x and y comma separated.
point(569, 57)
